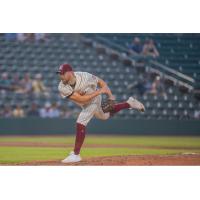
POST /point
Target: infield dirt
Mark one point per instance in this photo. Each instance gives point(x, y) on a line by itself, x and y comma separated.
point(144, 160)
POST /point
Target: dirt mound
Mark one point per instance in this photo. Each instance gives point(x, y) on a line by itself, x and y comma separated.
point(136, 160)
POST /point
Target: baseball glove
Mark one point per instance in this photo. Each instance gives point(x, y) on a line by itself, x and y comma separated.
point(108, 105)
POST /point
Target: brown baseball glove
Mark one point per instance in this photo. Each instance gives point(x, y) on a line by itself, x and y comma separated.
point(108, 105)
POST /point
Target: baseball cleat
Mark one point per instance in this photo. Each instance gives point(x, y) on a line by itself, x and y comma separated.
point(72, 158)
point(134, 103)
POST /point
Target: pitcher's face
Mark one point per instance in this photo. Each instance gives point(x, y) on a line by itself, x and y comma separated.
point(66, 77)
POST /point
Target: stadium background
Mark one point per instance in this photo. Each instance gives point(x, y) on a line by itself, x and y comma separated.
point(30, 103)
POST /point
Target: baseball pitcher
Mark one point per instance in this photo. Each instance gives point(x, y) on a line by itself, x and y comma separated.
point(86, 90)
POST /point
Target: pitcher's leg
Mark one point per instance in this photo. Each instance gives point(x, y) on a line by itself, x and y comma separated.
point(130, 103)
point(84, 117)
point(80, 136)
point(120, 106)
point(117, 107)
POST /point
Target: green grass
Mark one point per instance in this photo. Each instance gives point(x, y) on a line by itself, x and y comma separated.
point(14, 155)
point(114, 140)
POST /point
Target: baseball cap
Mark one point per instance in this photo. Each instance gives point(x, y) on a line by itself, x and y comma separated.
point(64, 68)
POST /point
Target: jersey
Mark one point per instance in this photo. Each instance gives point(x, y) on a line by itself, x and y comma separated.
point(86, 83)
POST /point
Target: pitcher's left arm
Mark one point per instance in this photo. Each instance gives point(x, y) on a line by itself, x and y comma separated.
point(101, 84)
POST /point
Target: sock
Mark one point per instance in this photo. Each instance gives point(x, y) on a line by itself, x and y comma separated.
point(80, 136)
point(120, 106)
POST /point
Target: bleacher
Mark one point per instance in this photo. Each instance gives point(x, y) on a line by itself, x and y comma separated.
point(178, 51)
point(32, 57)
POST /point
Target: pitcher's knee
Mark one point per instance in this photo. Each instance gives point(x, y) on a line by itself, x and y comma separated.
point(105, 116)
point(82, 121)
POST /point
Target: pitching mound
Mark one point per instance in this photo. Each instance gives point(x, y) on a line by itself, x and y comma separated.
point(144, 160)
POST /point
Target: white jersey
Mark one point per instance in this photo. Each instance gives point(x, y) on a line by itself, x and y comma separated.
point(86, 83)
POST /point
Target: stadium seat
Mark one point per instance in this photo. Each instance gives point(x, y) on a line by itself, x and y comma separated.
point(44, 58)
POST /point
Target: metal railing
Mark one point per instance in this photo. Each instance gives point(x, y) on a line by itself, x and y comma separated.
point(177, 76)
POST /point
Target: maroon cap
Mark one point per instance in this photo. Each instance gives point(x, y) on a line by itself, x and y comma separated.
point(64, 68)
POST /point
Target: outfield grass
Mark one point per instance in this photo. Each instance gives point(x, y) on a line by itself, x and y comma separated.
point(14, 155)
point(115, 140)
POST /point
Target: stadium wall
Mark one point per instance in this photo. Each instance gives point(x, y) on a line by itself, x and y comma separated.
point(38, 126)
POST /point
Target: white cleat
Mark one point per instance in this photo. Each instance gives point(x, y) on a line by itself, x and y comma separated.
point(134, 103)
point(72, 158)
